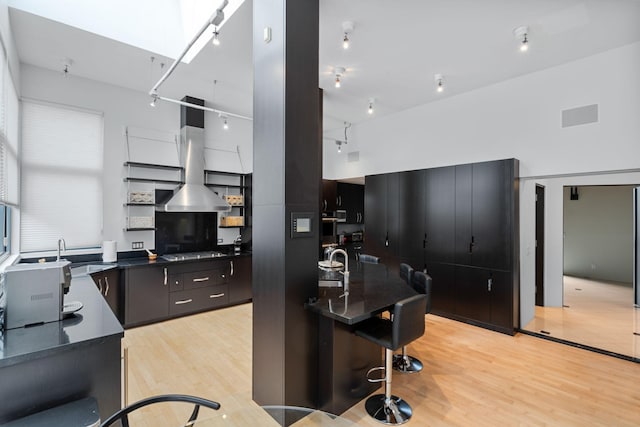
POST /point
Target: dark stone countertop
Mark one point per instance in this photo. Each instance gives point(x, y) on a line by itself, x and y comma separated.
point(94, 321)
point(144, 261)
point(372, 289)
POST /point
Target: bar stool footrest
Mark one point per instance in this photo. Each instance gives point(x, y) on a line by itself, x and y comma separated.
point(394, 411)
point(376, 380)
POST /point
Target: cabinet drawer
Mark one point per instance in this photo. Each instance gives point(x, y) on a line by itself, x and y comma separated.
point(175, 282)
point(201, 279)
point(192, 300)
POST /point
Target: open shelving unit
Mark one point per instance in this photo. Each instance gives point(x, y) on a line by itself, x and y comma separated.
point(142, 180)
point(236, 188)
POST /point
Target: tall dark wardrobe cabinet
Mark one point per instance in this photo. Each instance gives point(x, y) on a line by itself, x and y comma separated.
point(460, 225)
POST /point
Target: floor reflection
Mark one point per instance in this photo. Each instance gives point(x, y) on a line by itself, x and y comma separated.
point(595, 313)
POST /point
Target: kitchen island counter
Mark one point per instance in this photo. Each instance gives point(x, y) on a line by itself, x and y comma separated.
point(345, 358)
point(373, 288)
point(57, 362)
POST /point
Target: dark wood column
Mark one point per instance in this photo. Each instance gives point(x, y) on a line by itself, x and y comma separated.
point(286, 179)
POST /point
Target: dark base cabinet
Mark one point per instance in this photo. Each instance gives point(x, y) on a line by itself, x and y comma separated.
point(108, 283)
point(146, 294)
point(240, 280)
point(158, 292)
point(343, 364)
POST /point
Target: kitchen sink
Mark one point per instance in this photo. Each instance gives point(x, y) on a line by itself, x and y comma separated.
point(85, 270)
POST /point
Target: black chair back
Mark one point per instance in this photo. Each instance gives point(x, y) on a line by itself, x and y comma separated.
point(406, 273)
point(369, 259)
point(408, 320)
point(422, 283)
point(123, 414)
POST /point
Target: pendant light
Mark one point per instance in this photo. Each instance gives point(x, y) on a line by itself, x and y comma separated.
point(347, 28)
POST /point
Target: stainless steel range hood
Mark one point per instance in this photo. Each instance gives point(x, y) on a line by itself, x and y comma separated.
point(194, 196)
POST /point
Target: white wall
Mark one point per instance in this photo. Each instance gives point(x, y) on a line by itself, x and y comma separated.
point(519, 118)
point(598, 233)
point(121, 108)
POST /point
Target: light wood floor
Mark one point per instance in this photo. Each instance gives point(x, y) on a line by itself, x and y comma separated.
point(472, 376)
point(598, 314)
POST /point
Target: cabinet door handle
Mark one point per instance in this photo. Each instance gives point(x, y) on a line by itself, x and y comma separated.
point(201, 279)
point(489, 283)
point(424, 242)
point(184, 301)
point(106, 292)
point(471, 245)
point(216, 295)
point(231, 267)
point(325, 205)
point(165, 276)
point(100, 285)
point(386, 239)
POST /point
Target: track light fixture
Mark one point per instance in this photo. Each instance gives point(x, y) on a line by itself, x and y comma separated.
point(215, 41)
point(154, 98)
point(347, 28)
point(522, 34)
point(66, 65)
point(370, 109)
point(225, 123)
point(339, 71)
point(339, 144)
point(439, 79)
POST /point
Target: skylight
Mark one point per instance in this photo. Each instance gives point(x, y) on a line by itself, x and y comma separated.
point(164, 27)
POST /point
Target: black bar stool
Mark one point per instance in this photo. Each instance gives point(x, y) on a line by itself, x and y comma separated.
point(403, 362)
point(407, 325)
point(422, 283)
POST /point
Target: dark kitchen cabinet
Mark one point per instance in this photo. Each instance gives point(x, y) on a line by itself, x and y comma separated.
point(440, 225)
point(329, 195)
point(146, 294)
point(484, 296)
point(198, 286)
point(240, 286)
point(484, 214)
point(443, 288)
point(108, 283)
point(460, 223)
point(412, 218)
point(351, 199)
point(382, 215)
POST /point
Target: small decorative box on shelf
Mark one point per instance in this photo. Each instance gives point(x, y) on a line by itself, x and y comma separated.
point(142, 197)
point(234, 199)
point(140, 222)
point(231, 221)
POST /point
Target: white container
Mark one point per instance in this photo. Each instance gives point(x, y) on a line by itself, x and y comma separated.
point(109, 251)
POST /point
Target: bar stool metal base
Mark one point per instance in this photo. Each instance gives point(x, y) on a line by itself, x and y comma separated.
point(408, 364)
point(393, 412)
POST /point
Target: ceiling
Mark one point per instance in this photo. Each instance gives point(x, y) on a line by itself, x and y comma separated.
point(396, 48)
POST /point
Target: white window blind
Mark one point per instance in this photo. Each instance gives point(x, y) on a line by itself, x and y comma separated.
point(3, 128)
point(61, 191)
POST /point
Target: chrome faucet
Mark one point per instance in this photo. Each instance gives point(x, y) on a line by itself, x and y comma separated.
point(62, 245)
point(346, 268)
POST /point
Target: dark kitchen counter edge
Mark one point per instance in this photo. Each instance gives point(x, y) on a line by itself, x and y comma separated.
point(138, 262)
point(94, 322)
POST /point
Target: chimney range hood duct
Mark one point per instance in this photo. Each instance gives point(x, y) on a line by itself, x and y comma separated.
point(194, 196)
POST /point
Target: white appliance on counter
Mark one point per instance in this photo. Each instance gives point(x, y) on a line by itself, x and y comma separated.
point(34, 293)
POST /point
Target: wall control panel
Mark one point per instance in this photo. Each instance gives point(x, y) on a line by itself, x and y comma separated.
point(303, 224)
